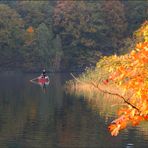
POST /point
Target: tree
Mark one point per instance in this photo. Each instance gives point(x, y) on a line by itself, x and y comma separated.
point(134, 77)
point(78, 23)
point(11, 35)
point(73, 18)
point(38, 35)
point(56, 56)
point(115, 21)
point(44, 43)
point(35, 12)
point(136, 13)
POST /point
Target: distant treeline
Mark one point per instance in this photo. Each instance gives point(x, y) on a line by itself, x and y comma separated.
point(66, 35)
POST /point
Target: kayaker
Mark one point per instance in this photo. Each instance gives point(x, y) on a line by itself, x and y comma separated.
point(44, 73)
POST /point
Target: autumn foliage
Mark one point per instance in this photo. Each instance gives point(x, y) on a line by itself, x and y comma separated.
point(133, 77)
point(30, 29)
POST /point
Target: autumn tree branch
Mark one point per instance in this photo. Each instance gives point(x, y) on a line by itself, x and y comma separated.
point(115, 94)
point(105, 91)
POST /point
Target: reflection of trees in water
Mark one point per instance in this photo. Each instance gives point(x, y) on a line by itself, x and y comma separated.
point(57, 90)
point(19, 112)
point(80, 127)
point(138, 136)
point(28, 115)
point(106, 107)
point(105, 104)
point(30, 118)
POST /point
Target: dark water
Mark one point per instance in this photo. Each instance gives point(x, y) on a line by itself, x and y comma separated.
point(32, 118)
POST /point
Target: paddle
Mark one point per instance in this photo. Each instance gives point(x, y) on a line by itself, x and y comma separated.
point(34, 79)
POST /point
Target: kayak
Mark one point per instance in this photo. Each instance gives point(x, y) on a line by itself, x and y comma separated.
point(42, 80)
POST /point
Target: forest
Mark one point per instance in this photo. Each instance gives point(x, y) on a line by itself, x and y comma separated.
point(66, 35)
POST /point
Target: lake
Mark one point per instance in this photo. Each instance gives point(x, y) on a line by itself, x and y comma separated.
point(33, 117)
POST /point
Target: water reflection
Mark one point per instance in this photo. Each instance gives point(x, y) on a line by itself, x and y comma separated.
point(106, 107)
point(30, 118)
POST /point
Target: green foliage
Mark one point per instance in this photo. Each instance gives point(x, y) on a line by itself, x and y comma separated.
point(89, 28)
point(114, 19)
point(11, 39)
point(76, 32)
point(10, 25)
point(56, 54)
point(35, 12)
point(107, 65)
point(43, 39)
point(92, 24)
point(136, 13)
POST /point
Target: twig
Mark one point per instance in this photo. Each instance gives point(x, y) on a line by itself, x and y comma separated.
point(77, 79)
point(115, 94)
point(105, 91)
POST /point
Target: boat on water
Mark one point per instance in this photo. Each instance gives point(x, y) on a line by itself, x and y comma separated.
point(42, 79)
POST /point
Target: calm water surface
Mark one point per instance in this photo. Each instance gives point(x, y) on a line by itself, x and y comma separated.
point(33, 118)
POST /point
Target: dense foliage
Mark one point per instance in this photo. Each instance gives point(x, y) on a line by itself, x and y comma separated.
point(37, 34)
point(133, 75)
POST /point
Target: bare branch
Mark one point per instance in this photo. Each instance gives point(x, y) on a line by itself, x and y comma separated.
point(115, 94)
